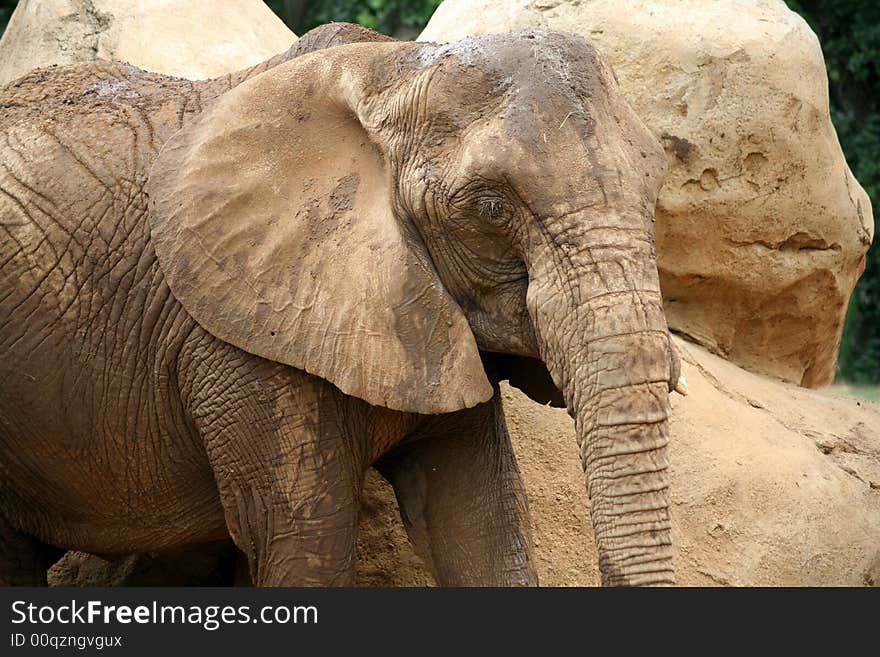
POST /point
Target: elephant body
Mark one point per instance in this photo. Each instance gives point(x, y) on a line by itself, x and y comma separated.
point(92, 337)
point(99, 330)
point(144, 408)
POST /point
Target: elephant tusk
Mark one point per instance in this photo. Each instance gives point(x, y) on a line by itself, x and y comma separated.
point(681, 386)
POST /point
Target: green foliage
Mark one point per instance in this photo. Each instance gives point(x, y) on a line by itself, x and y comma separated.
point(388, 16)
point(6, 9)
point(849, 31)
point(403, 18)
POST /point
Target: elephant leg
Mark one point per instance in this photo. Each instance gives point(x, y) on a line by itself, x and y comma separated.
point(24, 560)
point(291, 507)
point(462, 499)
point(288, 477)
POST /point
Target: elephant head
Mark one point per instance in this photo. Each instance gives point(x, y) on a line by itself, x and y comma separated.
point(377, 214)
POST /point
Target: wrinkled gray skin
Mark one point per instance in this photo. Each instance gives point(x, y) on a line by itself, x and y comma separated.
point(125, 426)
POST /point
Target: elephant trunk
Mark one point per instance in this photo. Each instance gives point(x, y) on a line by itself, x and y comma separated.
point(603, 335)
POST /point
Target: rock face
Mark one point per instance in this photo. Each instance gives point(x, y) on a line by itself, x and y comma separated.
point(772, 485)
point(177, 37)
point(761, 228)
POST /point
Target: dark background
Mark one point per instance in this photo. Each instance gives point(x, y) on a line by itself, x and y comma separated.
point(849, 31)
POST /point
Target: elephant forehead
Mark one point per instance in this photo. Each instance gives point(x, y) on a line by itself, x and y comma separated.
point(547, 89)
point(556, 54)
point(556, 68)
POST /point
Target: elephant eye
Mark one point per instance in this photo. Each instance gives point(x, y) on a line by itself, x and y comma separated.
point(490, 208)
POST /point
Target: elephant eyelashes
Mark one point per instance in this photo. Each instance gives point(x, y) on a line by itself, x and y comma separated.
point(490, 208)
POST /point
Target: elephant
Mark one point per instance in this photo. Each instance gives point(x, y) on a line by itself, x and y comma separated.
point(222, 301)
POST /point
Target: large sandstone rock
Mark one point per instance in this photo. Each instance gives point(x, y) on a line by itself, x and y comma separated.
point(772, 485)
point(761, 227)
point(179, 37)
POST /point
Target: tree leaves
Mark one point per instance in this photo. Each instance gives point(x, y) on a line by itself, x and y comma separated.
point(849, 31)
point(393, 17)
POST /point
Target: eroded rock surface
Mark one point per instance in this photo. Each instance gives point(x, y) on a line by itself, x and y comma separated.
point(761, 227)
point(176, 37)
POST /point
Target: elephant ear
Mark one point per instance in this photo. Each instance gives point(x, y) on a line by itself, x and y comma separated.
point(273, 221)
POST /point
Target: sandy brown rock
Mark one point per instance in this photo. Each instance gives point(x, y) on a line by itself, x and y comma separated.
point(761, 227)
point(772, 485)
point(176, 37)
